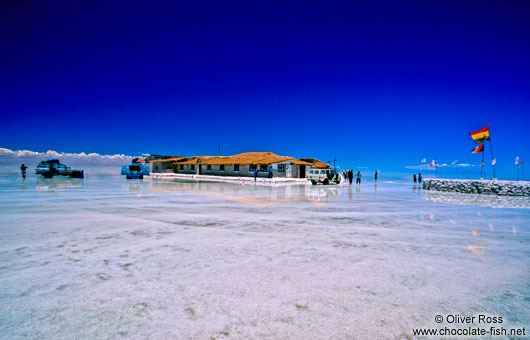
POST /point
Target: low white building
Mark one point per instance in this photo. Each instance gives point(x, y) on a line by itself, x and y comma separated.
point(241, 165)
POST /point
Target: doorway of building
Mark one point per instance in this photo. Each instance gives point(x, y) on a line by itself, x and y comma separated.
point(302, 171)
point(200, 169)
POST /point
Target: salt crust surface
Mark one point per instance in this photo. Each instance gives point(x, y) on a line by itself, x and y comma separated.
point(106, 258)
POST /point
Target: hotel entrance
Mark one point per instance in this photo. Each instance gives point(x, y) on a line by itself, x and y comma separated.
point(302, 171)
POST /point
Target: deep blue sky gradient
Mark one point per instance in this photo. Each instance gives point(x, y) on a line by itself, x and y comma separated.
point(380, 84)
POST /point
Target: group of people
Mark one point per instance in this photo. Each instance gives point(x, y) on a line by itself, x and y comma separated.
point(270, 173)
point(416, 178)
point(348, 175)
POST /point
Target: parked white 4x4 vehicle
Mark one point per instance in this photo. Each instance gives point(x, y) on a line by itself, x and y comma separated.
point(324, 176)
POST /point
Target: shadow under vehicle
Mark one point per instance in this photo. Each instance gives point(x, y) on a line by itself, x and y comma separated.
point(324, 176)
point(52, 167)
point(136, 170)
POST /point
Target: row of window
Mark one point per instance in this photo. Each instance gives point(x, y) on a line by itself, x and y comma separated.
point(251, 168)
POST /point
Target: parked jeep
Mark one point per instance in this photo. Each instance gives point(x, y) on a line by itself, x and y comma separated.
point(52, 167)
point(324, 176)
point(135, 170)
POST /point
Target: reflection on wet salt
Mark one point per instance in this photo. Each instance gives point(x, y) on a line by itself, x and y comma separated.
point(321, 194)
point(134, 186)
point(477, 249)
point(56, 184)
point(250, 194)
point(477, 200)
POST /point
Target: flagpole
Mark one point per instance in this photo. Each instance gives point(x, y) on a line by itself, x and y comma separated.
point(482, 167)
point(436, 165)
point(493, 165)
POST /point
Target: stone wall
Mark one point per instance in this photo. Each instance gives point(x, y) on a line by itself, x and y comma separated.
point(495, 201)
point(487, 187)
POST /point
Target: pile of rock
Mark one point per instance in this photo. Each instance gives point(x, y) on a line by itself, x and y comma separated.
point(487, 187)
point(495, 201)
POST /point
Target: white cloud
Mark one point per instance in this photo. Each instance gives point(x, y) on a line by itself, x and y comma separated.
point(11, 157)
point(420, 167)
point(429, 167)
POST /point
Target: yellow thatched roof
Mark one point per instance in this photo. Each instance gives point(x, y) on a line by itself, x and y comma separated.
point(242, 158)
point(300, 162)
point(173, 159)
point(194, 160)
point(315, 162)
point(249, 158)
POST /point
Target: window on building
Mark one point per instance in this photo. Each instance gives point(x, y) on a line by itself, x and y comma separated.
point(236, 167)
point(192, 167)
point(209, 167)
point(252, 167)
point(222, 167)
point(263, 168)
point(281, 167)
point(181, 167)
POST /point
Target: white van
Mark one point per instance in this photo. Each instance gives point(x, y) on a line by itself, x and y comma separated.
point(324, 176)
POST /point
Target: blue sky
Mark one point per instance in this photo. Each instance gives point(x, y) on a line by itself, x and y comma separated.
point(378, 85)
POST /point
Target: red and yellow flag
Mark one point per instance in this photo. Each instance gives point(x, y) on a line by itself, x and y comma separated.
point(478, 149)
point(481, 135)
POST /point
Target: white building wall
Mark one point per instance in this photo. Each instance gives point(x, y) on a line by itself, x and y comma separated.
point(186, 169)
point(161, 167)
point(244, 170)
